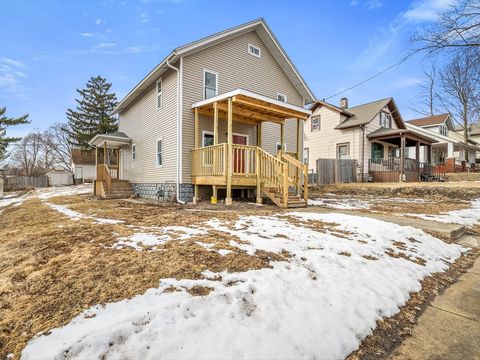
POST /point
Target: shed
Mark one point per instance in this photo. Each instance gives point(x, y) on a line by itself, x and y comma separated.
point(60, 177)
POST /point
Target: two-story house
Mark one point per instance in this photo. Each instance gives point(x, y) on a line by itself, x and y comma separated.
point(374, 134)
point(217, 117)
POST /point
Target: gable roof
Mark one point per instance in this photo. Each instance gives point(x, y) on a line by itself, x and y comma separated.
point(430, 120)
point(321, 103)
point(363, 114)
point(265, 34)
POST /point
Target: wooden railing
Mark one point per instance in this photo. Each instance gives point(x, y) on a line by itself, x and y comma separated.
point(209, 160)
point(297, 175)
point(270, 171)
point(103, 173)
point(244, 158)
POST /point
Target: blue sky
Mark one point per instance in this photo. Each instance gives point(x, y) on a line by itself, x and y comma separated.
point(50, 48)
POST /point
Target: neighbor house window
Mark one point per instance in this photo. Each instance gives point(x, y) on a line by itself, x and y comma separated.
point(315, 120)
point(443, 130)
point(159, 152)
point(392, 152)
point(281, 97)
point(254, 50)
point(305, 156)
point(159, 93)
point(134, 151)
point(207, 139)
point(343, 151)
point(385, 120)
point(377, 151)
point(210, 84)
point(278, 146)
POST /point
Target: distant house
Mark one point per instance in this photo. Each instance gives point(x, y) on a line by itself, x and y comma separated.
point(450, 149)
point(59, 177)
point(373, 133)
point(218, 117)
point(83, 165)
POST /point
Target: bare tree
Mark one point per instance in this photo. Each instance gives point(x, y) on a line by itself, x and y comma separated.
point(61, 147)
point(458, 27)
point(460, 88)
point(33, 155)
point(428, 93)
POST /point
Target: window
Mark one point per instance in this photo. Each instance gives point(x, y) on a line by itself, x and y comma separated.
point(305, 156)
point(385, 120)
point(159, 94)
point(207, 138)
point(377, 151)
point(278, 146)
point(343, 151)
point(315, 120)
point(159, 152)
point(443, 130)
point(134, 151)
point(392, 152)
point(210, 84)
point(281, 97)
point(254, 50)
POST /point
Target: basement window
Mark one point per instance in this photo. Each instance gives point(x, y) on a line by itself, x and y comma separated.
point(254, 50)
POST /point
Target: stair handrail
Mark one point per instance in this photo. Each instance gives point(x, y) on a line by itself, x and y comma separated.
point(296, 171)
point(270, 171)
point(103, 173)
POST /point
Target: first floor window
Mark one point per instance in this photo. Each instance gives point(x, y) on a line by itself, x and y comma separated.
point(305, 156)
point(207, 139)
point(315, 120)
point(159, 152)
point(279, 146)
point(134, 151)
point(343, 151)
point(392, 152)
point(377, 151)
point(210, 84)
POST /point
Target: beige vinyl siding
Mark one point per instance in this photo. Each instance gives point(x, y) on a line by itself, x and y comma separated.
point(236, 68)
point(323, 143)
point(144, 124)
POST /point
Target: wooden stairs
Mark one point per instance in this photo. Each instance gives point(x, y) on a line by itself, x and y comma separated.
point(276, 196)
point(119, 189)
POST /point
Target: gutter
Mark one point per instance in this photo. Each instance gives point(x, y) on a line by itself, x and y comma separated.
point(178, 71)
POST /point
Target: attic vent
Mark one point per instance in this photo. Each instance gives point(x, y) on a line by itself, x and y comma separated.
point(254, 50)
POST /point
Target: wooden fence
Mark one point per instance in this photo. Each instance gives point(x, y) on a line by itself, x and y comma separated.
point(330, 171)
point(13, 183)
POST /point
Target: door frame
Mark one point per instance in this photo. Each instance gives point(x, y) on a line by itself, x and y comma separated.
point(243, 135)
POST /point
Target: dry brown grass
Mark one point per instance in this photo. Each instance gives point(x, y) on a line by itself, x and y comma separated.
point(53, 268)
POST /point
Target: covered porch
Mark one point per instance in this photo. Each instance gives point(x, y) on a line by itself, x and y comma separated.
point(455, 156)
point(282, 177)
point(395, 164)
point(107, 181)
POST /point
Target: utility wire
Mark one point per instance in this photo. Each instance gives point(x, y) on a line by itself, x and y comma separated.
point(398, 63)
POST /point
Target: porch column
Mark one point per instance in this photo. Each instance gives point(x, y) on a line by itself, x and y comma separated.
point(105, 153)
point(213, 200)
point(402, 158)
point(417, 158)
point(228, 199)
point(450, 150)
point(96, 162)
point(282, 136)
point(299, 153)
point(195, 126)
point(257, 163)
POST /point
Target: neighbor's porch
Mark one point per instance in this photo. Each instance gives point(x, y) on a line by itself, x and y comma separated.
point(238, 164)
point(394, 164)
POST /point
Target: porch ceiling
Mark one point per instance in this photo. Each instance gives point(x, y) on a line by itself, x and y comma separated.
point(113, 140)
point(393, 136)
point(251, 108)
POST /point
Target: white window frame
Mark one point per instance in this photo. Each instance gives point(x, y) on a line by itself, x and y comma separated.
point(284, 146)
point(134, 152)
point(319, 123)
point(339, 145)
point(306, 159)
point(443, 130)
point(157, 94)
point(259, 55)
point(204, 85)
point(280, 94)
point(159, 166)
point(206, 132)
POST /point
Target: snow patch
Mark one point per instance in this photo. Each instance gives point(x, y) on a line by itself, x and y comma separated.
point(75, 215)
point(467, 217)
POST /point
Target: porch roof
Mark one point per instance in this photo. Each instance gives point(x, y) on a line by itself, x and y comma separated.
point(250, 107)
point(394, 135)
point(113, 140)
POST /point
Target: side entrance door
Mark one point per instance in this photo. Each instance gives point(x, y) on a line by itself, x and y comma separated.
point(239, 154)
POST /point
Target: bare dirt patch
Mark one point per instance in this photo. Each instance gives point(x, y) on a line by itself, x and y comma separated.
point(54, 267)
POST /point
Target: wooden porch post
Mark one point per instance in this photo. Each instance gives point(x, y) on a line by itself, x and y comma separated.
point(228, 199)
point(417, 158)
point(118, 164)
point(402, 158)
point(195, 195)
point(257, 163)
point(213, 200)
point(96, 162)
point(282, 136)
point(105, 153)
point(299, 153)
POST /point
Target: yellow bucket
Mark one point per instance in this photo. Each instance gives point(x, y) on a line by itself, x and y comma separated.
point(213, 200)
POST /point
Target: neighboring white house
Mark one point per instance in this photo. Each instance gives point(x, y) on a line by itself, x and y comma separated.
point(59, 177)
point(83, 165)
point(450, 142)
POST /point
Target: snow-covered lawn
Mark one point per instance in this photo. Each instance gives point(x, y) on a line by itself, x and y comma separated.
point(345, 273)
point(355, 203)
point(467, 217)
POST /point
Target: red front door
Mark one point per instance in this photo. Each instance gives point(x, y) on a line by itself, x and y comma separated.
point(239, 154)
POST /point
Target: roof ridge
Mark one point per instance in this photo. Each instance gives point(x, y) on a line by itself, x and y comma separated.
point(371, 102)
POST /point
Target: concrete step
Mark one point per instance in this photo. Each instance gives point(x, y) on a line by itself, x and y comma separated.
point(472, 241)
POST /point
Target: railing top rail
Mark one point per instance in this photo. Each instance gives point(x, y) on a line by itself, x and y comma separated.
point(294, 161)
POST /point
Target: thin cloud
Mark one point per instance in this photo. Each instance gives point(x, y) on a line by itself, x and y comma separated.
point(368, 4)
point(105, 45)
point(406, 83)
point(426, 10)
point(85, 34)
point(12, 73)
point(99, 21)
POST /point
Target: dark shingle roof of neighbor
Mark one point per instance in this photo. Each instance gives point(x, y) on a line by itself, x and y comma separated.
point(363, 114)
point(429, 120)
point(117, 134)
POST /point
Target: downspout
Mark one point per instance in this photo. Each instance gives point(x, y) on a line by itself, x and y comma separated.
point(363, 152)
point(178, 132)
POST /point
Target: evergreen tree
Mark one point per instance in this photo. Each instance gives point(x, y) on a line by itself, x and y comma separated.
point(5, 122)
point(93, 113)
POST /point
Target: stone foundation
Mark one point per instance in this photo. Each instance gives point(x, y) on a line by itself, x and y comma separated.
point(164, 191)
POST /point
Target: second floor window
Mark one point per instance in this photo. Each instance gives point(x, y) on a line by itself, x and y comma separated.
point(210, 84)
point(159, 94)
point(443, 130)
point(254, 50)
point(315, 122)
